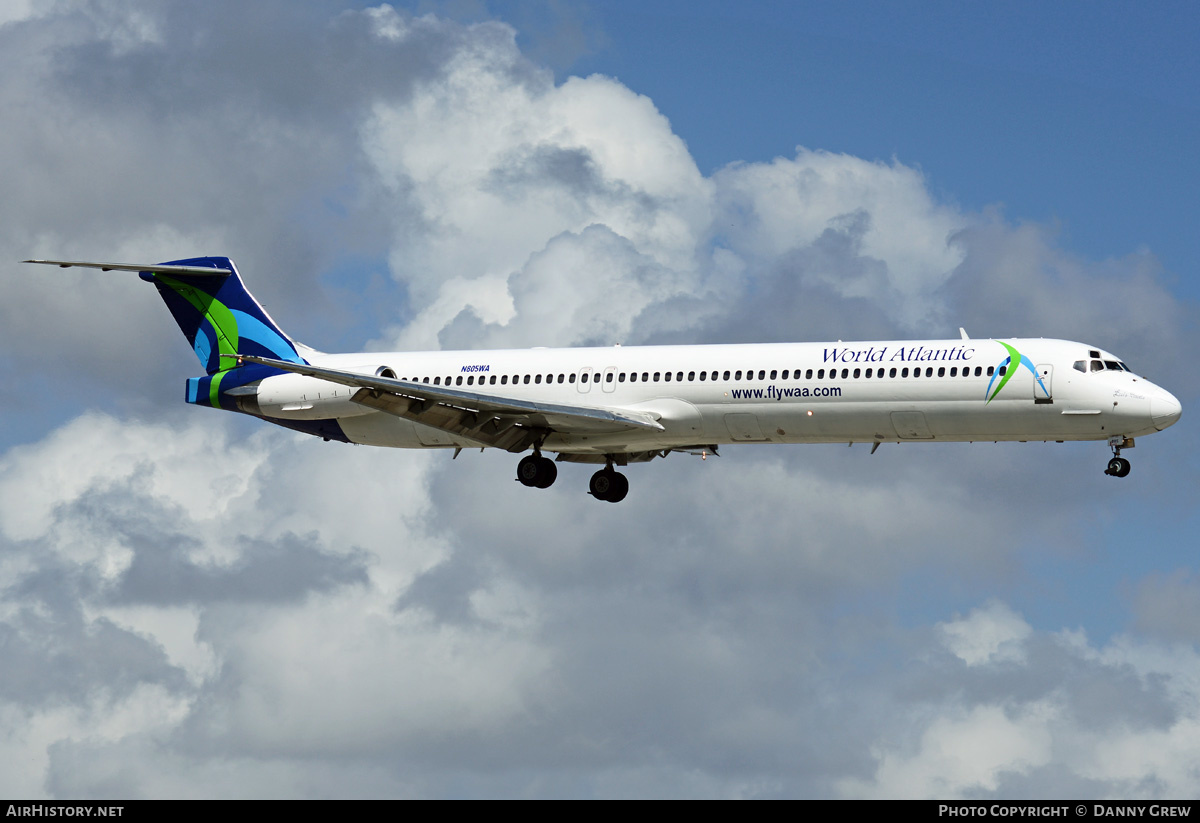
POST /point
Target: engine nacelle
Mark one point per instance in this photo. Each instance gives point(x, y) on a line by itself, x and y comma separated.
point(300, 397)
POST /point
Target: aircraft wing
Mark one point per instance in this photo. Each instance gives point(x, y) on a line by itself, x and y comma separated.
point(494, 420)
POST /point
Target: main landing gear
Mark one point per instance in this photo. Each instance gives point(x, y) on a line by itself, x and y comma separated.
point(1118, 466)
point(608, 485)
point(540, 472)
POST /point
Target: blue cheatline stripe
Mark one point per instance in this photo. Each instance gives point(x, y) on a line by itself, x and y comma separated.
point(1025, 361)
point(995, 375)
point(251, 328)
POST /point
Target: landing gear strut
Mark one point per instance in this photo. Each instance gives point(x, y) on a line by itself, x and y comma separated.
point(608, 485)
point(1118, 466)
point(538, 471)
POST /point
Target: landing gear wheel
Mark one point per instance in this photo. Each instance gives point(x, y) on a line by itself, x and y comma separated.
point(620, 488)
point(527, 470)
point(537, 471)
point(608, 485)
point(1118, 467)
point(547, 473)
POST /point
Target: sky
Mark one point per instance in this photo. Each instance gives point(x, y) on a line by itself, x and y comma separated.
point(197, 604)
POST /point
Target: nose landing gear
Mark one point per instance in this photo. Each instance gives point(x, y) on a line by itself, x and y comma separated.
point(1118, 466)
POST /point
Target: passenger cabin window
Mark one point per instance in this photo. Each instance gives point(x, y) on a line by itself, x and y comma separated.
point(808, 374)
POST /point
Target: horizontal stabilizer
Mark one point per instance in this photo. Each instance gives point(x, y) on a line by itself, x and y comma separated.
point(191, 271)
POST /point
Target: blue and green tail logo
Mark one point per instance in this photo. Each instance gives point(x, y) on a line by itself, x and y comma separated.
point(219, 316)
point(1008, 368)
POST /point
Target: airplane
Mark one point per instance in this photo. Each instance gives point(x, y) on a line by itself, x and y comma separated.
point(624, 404)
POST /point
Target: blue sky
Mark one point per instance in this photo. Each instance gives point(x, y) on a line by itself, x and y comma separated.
point(1080, 113)
point(196, 605)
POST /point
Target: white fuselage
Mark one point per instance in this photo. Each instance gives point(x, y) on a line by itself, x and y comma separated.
point(884, 391)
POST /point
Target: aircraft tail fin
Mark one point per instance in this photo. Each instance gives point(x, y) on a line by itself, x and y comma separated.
point(218, 315)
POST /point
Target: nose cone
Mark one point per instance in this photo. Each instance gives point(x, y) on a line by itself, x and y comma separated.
point(1164, 409)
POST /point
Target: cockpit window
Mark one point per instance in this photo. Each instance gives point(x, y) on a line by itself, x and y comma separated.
point(1112, 365)
point(1097, 365)
point(1080, 365)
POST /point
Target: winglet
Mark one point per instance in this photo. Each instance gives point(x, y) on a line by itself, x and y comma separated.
point(963, 332)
